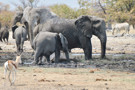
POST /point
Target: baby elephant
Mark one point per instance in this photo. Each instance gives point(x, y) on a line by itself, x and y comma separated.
point(46, 43)
point(4, 34)
point(19, 34)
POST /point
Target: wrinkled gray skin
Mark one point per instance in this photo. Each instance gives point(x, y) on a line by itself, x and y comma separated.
point(4, 34)
point(19, 34)
point(78, 32)
point(46, 43)
point(89, 26)
point(77, 37)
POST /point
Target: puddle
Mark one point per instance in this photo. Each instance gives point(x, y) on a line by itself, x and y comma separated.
point(96, 54)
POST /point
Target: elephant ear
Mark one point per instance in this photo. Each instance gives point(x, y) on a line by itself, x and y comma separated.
point(96, 23)
point(13, 30)
point(84, 24)
point(64, 41)
point(80, 21)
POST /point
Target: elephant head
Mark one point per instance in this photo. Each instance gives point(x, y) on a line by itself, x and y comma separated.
point(34, 16)
point(89, 26)
point(17, 17)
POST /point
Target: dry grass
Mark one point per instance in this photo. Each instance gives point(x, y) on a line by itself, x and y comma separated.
point(35, 78)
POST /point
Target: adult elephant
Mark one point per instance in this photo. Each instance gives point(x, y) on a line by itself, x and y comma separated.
point(34, 16)
point(121, 26)
point(76, 36)
point(78, 32)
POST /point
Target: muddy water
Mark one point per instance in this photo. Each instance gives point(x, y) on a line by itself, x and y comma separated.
point(120, 62)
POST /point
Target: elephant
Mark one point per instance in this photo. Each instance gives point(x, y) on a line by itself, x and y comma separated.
point(78, 32)
point(119, 26)
point(4, 34)
point(46, 43)
point(17, 20)
point(34, 16)
point(48, 21)
point(19, 34)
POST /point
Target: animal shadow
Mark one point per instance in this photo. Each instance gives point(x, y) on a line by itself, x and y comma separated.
point(20, 85)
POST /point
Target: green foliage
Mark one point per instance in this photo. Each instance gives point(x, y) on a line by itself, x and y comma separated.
point(64, 11)
point(6, 17)
point(121, 10)
point(110, 10)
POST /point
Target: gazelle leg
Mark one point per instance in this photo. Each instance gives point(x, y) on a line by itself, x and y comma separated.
point(14, 76)
point(9, 77)
point(5, 72)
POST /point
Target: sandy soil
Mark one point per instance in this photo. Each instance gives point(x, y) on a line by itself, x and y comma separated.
point(35, 77)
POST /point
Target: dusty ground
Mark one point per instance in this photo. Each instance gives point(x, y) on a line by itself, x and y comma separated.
point(116, 72)
point(35, 78)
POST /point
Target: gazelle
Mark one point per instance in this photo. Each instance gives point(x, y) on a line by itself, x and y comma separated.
point(11, 66)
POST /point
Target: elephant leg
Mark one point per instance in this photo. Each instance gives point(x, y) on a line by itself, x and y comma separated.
point(66, 54)
point(36, 57)
point(48, 58)
point(103, 41)
point(21, 46)
point(87, 47)
point(7, 41)
point(40, 60)
point(118, 31)
point(57, 55)
point(18, 47)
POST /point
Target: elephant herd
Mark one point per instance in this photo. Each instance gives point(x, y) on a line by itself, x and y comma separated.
point(48, 33)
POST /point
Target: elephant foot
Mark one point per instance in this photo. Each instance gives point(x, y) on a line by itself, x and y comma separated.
point(88, 58)
point(103, 57)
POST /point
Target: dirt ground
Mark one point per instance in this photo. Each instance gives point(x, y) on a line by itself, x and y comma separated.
point(120, 54)
point(36, 78)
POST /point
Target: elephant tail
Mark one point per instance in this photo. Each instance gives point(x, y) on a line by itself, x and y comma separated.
point(64, 41)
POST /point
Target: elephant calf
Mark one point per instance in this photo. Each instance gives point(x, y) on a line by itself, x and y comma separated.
point(46, 43)
point(4, 34)
point(19, 34)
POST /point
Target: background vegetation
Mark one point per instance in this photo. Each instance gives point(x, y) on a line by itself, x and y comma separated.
point(111, 10)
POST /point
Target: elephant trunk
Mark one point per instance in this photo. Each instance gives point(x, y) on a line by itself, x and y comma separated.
point(30, 34)
point(103, 40)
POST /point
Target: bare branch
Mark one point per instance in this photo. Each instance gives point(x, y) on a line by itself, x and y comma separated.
point(101, 7)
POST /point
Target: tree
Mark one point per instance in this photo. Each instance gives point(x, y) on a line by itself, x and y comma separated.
point(121, 10)
point(5, 14)
point(64, 11)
